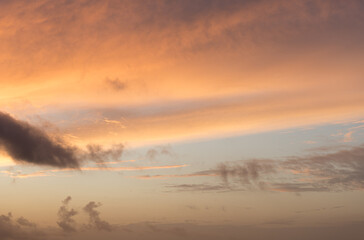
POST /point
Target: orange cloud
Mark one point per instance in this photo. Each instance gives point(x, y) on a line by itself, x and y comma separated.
point(226, 69)
point(47, 173)
point(25, 175)
point(115, 162)
point(176, 176)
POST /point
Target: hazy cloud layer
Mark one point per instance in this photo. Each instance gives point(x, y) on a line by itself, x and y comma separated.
point(281, 229)
point(22, 229)
point(28, 144)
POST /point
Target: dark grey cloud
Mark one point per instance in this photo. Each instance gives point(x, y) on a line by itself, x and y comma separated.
point(65, 216)
point(25, 143)
point(94, 217)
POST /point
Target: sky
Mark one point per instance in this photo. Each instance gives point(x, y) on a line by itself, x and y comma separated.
point(186, 119)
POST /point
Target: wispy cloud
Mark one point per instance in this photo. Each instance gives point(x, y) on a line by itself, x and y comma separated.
point(197, 174)
point(19, 174)
point(114, 162)
point(51, 172)
point(321, 172)
point(94, 217)
point(199, 187)
point(117, 169)
point(65, 216)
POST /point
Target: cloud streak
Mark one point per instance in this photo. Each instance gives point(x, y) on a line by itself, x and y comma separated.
point(197, 174)
point(339, 171)
point(52, 172)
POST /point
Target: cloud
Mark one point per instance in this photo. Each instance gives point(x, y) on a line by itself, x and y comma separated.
point(348, 137)
point(287, 221)
point(115, 84)
point(101, 167)
point(94, 217)
point(320, 172)
point(25, 143)
point(18, 174)
point(339, 171)
point(192, 207)
point(176, 230)
point(117, 169)
point(114, 162)
point(99, 155)
point(199, 187)
point(211, 173)
point(65, 216)
point(169, 42)
point(153, 153)
point(283, 229)
point(22, 229)
point(298, 187)
point(247, 172)
point(319, 209)
point(25, 222)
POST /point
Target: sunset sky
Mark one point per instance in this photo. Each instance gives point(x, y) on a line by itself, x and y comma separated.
point(183, 119)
